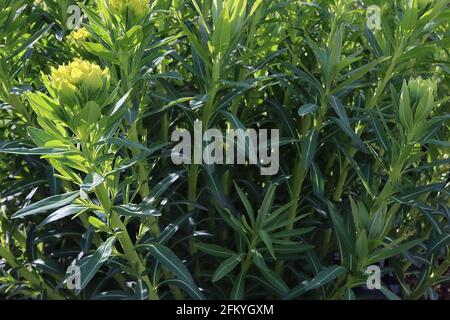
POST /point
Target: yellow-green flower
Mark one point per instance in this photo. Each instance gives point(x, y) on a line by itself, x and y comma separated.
point(79, 78)
point(138, 8)
point(78, 35)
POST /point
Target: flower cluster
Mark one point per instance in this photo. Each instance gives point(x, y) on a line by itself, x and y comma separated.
point(78, 81)
point(138, 8)
point(81, 34)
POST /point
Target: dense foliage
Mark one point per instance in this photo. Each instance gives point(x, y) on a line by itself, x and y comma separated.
point(87, 178)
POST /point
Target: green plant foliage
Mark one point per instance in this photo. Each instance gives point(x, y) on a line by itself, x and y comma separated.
point(87, 181)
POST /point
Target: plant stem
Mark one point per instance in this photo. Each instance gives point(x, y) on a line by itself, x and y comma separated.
point(369, 106)
point(33, 279)
point(192, 197)
point(125, 240)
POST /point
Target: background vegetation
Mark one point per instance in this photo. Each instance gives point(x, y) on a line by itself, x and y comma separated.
point(86, 175)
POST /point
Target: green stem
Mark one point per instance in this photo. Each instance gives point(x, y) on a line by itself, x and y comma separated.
point(32, 278)
point(192, 197)
point(297, 183)
point(131, 254)
point(369, 106)
point(194, 169)
point(125, 240)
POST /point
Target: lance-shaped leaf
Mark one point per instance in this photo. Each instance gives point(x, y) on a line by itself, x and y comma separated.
point(167, 258)
point(90, 265)
point(91, 181)
point(227, 266)
point(47, 204)
point(62, 213)
point(134, 210)
point(322, 278)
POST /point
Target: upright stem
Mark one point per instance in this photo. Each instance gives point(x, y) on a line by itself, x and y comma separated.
point(32, 278)
point(125, 241)
point(192, 197)
point(194, 169)
point(370, 105)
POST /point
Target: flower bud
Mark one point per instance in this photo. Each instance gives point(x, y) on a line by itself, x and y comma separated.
point(79, 79)
point(416, 105)
point(138, 8)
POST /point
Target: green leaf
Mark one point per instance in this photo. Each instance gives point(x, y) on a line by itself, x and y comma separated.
point(40, 137)
point(246, 203)
point(90, 265)
point(437, 243)
point(267, 241)
point(322, 278)
point(255, 6)
point(389, 294)
point(34, 151)
point(344, 122)
point(31, 41)
point(250, 148)
point(238, 290)
point(272, 217)
point(287, 122)
point(62, 213)
point(317, 180)
point(227, 266)
point(413, 193)
point(294, 248)
point(196, 45)
point(132, 38)
point(309, 148)
point(358, 170)
point(168, 259)
point(118, 106)
point(307, 109)
point(49, 266)
point(172, 228)
point(214, 250)
point(357, 74)
point(216, 188)
point(222, 33)
point(91, 181)
point(98, 224)
point(193, 292)
point(273, 278)
point(266, 205)
point(388, 252)
point(379, 131)
point(139, 290)
point(292, 233)
point(345, 245)
point(99, 50)
point(233, 222)
point(47, 204)
point(158, 190)
point(133, 145)
point(134, 210)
